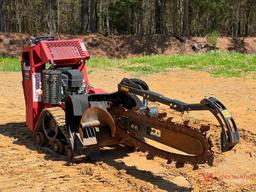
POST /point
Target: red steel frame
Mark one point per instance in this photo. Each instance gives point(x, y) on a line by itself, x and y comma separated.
point(33, 62)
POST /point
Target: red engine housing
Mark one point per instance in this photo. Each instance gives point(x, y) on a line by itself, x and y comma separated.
point(36, 58)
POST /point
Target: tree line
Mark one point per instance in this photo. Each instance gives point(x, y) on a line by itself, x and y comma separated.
point(133, 17)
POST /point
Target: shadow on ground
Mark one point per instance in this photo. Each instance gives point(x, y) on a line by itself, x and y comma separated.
point(23, 136)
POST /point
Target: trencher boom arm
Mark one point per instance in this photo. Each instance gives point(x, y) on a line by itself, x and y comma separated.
point(229, 130)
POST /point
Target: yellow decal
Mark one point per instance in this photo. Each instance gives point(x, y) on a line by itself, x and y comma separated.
point(125, 89)
point(226, 113)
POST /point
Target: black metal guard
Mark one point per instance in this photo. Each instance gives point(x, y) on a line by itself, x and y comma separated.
point(229, 133)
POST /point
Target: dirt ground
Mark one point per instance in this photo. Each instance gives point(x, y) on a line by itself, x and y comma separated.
point(25, 168)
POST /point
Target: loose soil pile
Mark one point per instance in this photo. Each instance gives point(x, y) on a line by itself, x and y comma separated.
point(124, 46)
point(26, 168)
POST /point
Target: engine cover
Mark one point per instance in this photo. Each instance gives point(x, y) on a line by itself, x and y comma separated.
point(72, 78)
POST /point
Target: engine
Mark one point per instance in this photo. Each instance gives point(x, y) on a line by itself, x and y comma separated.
point(57, 84)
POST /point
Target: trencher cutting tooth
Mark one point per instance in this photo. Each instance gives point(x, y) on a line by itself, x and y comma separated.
point(179, 165)
point(186, 122)
point(204, 128)
point(150, 156)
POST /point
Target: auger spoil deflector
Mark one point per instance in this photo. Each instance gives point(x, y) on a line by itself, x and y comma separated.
point(64, 112)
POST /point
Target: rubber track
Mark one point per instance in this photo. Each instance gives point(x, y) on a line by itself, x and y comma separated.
point(59, 116)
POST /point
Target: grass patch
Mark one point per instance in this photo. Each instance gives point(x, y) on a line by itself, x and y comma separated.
point(9, 64)
point(217, 63)
point(229, 64)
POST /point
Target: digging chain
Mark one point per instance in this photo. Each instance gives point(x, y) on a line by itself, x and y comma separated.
point(206, 157)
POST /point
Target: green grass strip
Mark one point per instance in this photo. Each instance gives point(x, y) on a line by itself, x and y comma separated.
point(228, 64)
